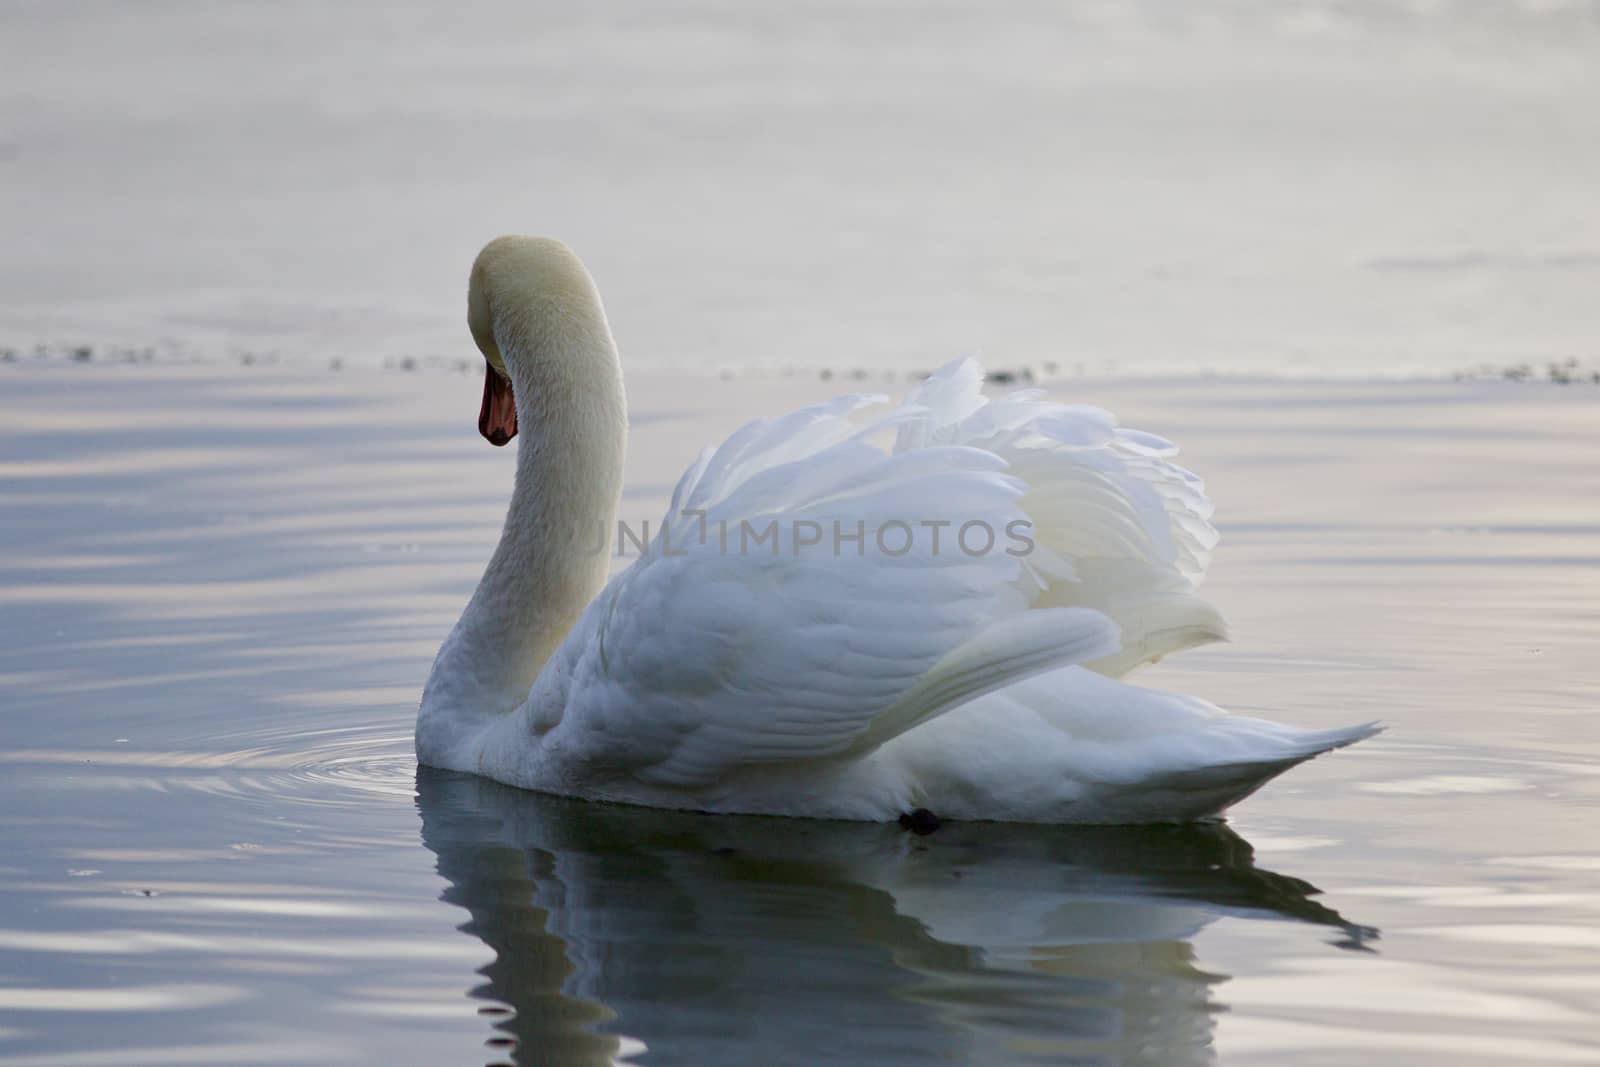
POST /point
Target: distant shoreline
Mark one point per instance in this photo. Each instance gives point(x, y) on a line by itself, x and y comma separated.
point(1042, 374)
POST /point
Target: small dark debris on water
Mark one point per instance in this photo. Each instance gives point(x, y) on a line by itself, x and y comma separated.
point(725, 850)
point(1557, 372)
point(921, 821)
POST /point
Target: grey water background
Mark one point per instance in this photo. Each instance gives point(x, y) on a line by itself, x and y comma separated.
point(224, 568)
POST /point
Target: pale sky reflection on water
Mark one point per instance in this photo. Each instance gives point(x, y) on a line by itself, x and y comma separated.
point(1319, 187)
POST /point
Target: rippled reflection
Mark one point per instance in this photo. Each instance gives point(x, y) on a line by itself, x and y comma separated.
point(753, 940)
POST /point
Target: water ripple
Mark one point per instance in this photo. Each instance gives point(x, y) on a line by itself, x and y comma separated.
point(332, 767)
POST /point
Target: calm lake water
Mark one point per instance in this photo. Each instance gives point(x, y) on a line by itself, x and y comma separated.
point(221, 588)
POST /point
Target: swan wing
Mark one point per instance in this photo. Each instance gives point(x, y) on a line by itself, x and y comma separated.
point(810, 595)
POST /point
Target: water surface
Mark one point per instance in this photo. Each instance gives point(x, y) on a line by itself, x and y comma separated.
point(221, 588)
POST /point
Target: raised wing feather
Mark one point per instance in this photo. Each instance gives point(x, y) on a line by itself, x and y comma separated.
point(1132, 527)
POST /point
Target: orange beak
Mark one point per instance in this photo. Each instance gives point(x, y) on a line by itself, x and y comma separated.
point(497, 419)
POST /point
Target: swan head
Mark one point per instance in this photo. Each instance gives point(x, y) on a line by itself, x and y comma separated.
point(536, 316)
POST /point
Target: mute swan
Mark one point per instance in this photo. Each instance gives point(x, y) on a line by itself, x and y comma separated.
point(799, 639)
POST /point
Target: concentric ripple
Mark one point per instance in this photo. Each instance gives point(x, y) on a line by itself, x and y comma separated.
point(328, 767)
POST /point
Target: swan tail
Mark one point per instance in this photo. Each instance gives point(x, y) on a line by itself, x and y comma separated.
point(1197, 792)
point(1007, 652)
point(1273, 754)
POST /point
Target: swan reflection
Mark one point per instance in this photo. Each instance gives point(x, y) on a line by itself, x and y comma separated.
point(753, 940)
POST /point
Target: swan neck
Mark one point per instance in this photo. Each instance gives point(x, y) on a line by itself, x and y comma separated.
point(552, 558)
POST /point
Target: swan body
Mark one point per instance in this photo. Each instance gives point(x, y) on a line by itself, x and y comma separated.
point(846, 613)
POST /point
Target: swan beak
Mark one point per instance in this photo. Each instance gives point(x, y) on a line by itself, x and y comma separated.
point(497, 419)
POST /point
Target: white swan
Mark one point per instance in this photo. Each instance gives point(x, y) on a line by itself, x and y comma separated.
point(869, 661)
